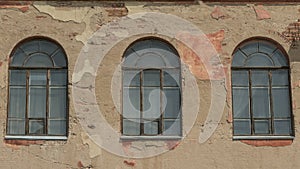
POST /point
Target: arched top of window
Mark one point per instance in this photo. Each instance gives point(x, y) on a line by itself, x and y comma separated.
point(38, 53)
point(259, 53)
point(151, 53)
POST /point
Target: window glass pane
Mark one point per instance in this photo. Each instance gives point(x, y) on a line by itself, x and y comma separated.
point(261, 126)
point(47, 47)
point(238, 59)
point(279, 58)
point(18, 58)
point(57, 127)
point(36, 127)
point(38, 77)
point(150, 60)
point(151, 78)
point(170, 58)
point(59, 59)
point(241, 102)
point(58, 77)
point(282, 127)
point(37, 102)
point(259, 60)
point(39, 60)
point(131, 103)
point(30, 47)
point(260, 78)
point(261, 102)
point(280, 77)
point(281, 102)
point(17, 77)
point(242, 127)
point(250, 48)
point(151, 102)
point(131, 78)
point(131, 127)
point(17, 102)
point(16, 126)
point(266, 47)
point(57, 103)
point(150, 127)
point(240, 78)
point(171, 78)
point(131, 58)
point(172, 127)
point(172, 103)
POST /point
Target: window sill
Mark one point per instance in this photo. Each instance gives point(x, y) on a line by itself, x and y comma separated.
point(263, 137)
point(136, 138)
point(10, 137)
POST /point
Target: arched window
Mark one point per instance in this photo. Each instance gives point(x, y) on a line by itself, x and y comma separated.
point(38, 90)
point(151, 89)
point(261, 90)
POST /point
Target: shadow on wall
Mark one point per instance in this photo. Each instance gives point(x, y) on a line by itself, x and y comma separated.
point(294, 52)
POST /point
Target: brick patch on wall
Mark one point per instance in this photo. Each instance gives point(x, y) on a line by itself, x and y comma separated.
point(272, 143)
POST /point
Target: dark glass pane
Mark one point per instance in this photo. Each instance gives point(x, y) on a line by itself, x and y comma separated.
point(250, 48)
point(150, 127)
point(16, 126)
point(238, 59)
point(131, 102)
point(59, 59)
point(36, 127)
point(266, 47)
point(259, 60)
point(241, 102)
point(131, 78)
point(151, 102)
point(47, 47)
point(260, 78)
point(242, 127)
point(240, 78)
point(282, 127)
point(172, 127)
point(57, 127)
point(17, 77)
point(39, 60)
point(57, 103)
point(131, 127)
point(17, 102)
point(172, 103)
point(262, 127)
point(171, 78)
point(30, 47)
point(260, 102)
point(18, 58)
point(37, 102)
point(38, 77)
point(279, 58)
point(151, 78)
point(58, 77)
point(281, 102)
point(280, 78)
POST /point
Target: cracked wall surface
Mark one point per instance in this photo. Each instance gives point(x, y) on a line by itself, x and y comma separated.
point(72, 23)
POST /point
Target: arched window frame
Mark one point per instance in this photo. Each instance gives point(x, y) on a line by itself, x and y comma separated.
point(280, 64)
point(162, 72)
point(41, 64)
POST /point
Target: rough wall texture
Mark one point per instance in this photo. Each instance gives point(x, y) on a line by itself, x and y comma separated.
point(72, 23)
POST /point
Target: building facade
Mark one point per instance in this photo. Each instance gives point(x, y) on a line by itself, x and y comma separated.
point(149, 84)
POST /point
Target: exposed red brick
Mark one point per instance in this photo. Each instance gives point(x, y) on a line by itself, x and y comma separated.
point(117, 12)
point(218, 13)
point(261, 13)
point(126, 146)
point(130, 162)
point(271, 143)
point(79, 164)
point(172, 144)
point(197, 66)
point(23, 142)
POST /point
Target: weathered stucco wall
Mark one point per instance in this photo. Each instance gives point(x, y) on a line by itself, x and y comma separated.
point(73, 23)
